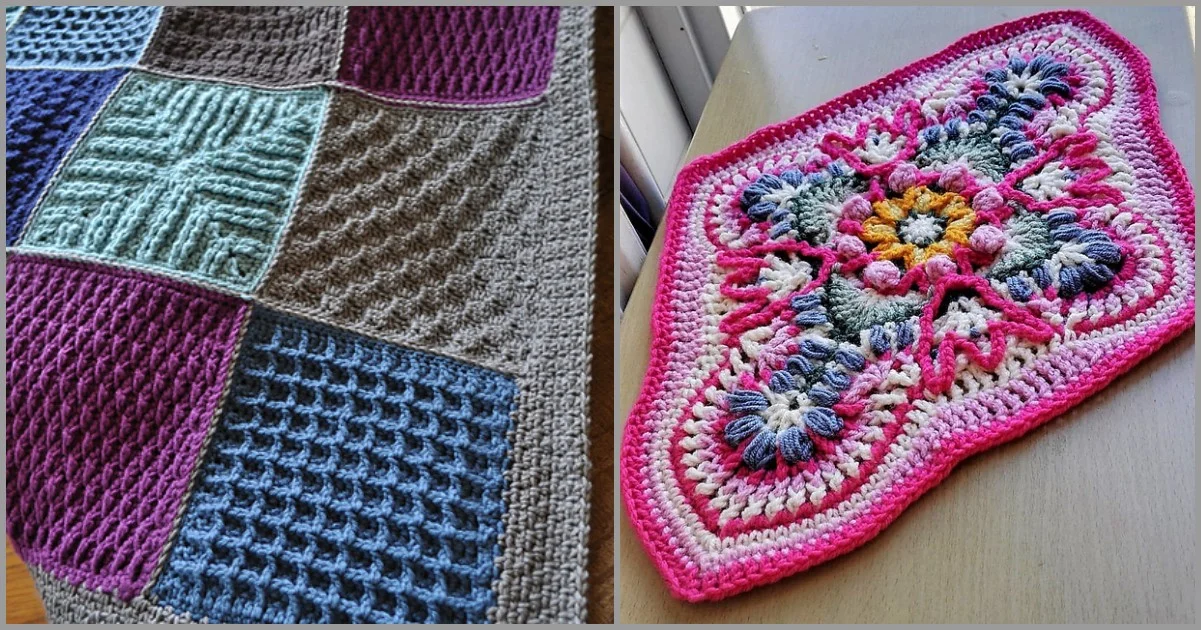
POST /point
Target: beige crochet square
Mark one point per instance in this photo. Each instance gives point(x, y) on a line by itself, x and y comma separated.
point(410, 228)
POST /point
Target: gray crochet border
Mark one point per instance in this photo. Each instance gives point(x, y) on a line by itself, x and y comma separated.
point(543, 566)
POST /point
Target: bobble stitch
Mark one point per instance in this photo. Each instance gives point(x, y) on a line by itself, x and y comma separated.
point(987, 239)
point(903, 177)
point(857, 208)
point(849, 246)
point(882, 275)
point(954, 179)
point(939, 266)
point(988, 200)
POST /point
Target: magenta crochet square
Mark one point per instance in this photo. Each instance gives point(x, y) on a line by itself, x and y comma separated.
point(113, 378)
point(475, 55)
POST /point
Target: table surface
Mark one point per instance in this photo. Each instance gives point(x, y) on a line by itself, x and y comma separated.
point(1086, 519)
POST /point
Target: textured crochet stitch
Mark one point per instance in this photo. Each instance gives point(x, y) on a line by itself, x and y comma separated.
point(447, 54)
point(113, 378)
point(46, 113)
point(286, 344)
point(332, 458)
point(855, 300)
point(77, 36)
point(192, 177)
point(275, 45)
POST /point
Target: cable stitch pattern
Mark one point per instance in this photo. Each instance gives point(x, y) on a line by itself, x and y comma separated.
point(192, 177)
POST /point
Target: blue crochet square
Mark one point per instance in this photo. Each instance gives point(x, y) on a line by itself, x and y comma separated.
point(10, 16)
point(78, 36)
point(347, 480)
point(46, 112)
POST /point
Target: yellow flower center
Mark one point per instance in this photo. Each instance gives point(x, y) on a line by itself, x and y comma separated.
point(918, 225)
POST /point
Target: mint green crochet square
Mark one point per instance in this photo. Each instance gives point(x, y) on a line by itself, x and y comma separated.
point(187, 177)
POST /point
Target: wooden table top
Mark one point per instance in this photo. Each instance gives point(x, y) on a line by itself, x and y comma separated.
point(1089, 518)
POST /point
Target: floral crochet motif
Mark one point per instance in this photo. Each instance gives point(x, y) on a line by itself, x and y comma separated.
point(918, 226)
point(855, 300)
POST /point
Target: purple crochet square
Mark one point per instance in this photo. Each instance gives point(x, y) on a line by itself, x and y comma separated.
point(113, 379)
point(472, 55)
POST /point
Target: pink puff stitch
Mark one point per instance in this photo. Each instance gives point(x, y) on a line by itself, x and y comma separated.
point(855, 300)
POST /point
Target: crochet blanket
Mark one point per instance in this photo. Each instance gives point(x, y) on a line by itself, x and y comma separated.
point(853, 301)
point(298, 311)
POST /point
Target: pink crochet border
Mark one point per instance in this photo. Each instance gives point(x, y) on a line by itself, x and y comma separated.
point(682, 579)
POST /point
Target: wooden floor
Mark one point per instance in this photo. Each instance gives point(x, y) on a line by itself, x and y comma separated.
point(24, 606)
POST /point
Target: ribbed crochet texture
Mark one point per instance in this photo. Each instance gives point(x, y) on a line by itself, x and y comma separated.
point(46, 111)
point(318, 345)
point(263, 45)
point(113, 378)
point(78, 37)
point(195, 178)
point(853, 301)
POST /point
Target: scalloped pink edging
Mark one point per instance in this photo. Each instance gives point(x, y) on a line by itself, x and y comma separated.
point(683, 582)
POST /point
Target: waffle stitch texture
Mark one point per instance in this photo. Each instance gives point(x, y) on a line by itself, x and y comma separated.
point(855, 300)
point(340, 434)
point(348, 481)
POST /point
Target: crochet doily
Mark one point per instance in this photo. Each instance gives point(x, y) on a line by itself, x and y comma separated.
point(855, 300)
